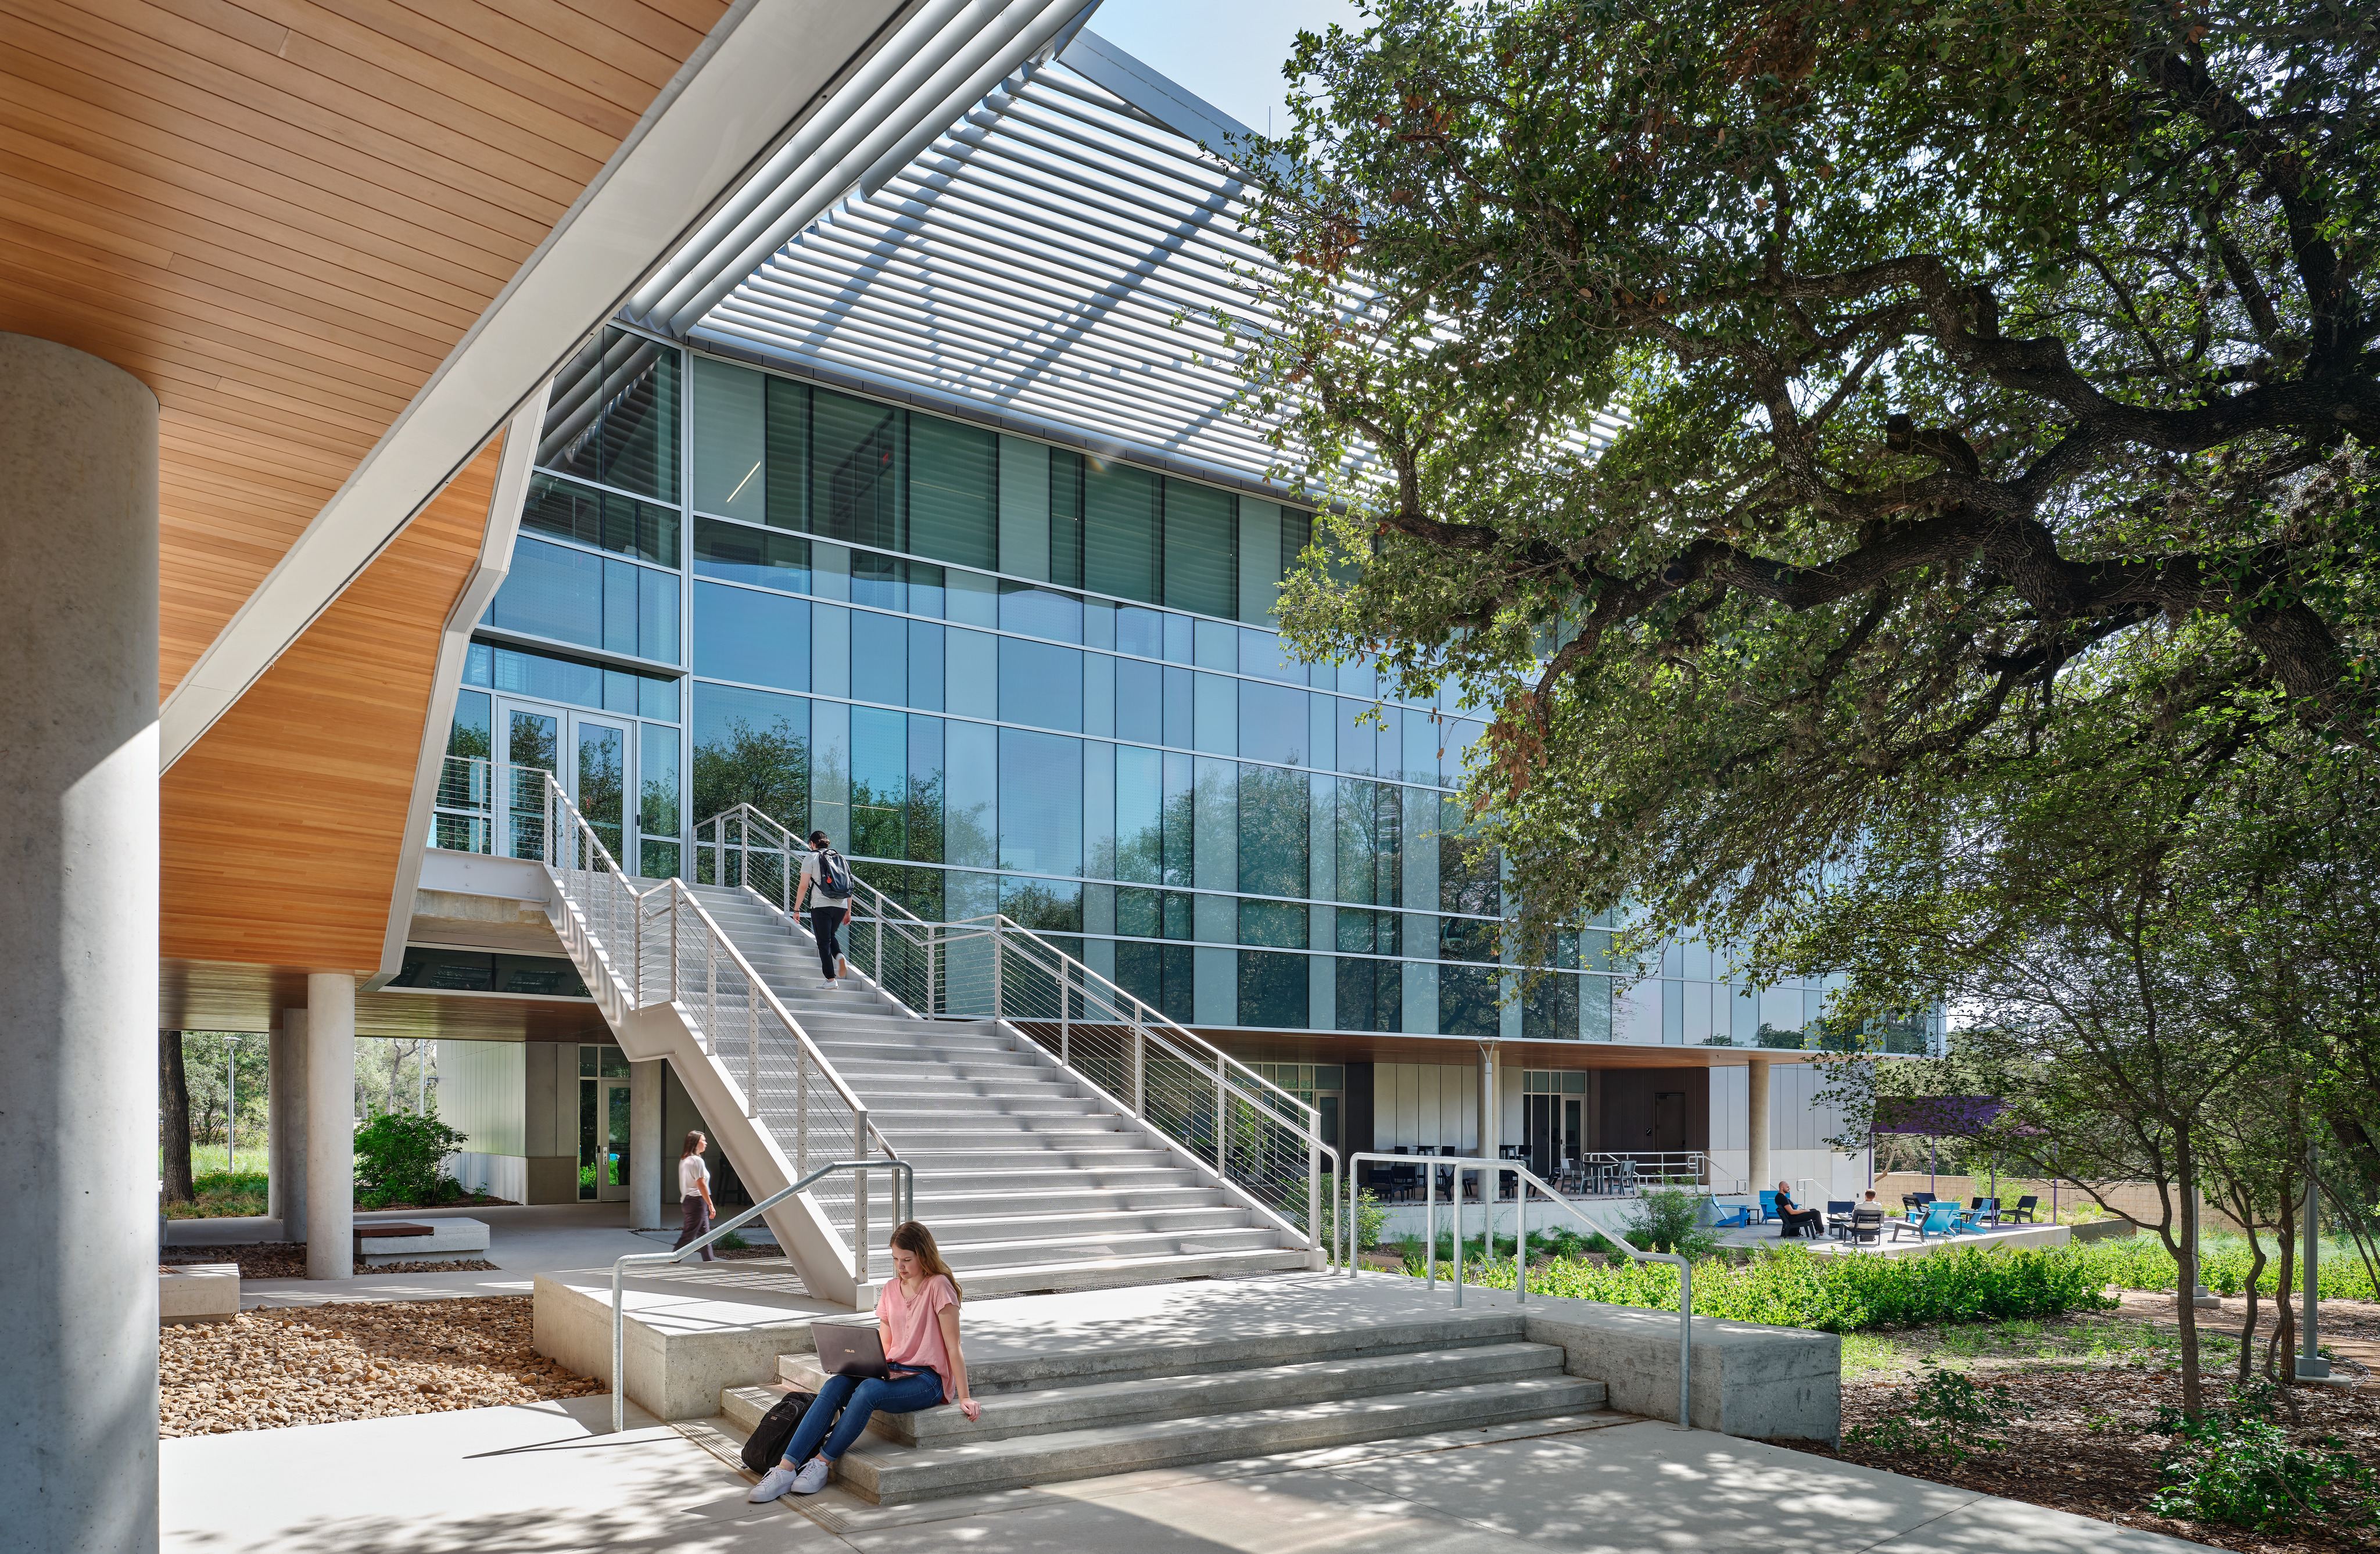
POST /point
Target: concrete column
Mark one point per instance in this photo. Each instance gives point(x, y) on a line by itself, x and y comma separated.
point(289, 1102)
point(78, 916)
point(645, 1149)
point(330, 1125)
point(1756, 1124)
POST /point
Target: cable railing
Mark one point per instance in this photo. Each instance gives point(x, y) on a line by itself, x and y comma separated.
point(640, 949)
point(1258, 1140)
point(1528, 1180)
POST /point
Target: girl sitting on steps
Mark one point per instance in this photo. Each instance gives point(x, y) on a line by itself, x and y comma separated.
point(918, 1313)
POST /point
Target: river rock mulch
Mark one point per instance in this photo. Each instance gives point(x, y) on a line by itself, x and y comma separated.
point(285, 1365)
point(2079, 1439)
point(287, 1260)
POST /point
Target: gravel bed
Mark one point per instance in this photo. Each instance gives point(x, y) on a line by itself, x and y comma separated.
point(273, 1368)
point(287, 1260)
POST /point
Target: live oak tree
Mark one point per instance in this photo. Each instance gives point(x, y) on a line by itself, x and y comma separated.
point(1998, 381)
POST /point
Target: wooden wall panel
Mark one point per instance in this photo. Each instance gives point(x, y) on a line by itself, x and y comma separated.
point(281, 829)
point(281, 215)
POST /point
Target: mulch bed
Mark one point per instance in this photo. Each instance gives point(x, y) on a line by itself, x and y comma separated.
point(289, 1366)
point(2080, 1441)
point(287, 1260)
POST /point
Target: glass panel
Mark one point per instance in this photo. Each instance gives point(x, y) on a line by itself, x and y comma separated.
point(1216, 714)
point(1140, 701)
point(1040, 612)
point(1040, 802)
point(657, 633)
point(927, 651)
point(971, 801)
point(469, 734)
point(1139, 811)
point(613, 416)
point(603, 790)
point(1272, 723)
point(611, 1062)
point(617, 1154)
point(1274, 833)
point(1466, 1001)
point(788, 448)
point(1065, 517)
point(953, 491)
point(1467, 939)
point(729, 435)
point(1179, 706)
point(1040, 683)
point(657, 860)
point(1044, 906)
point(878, 581)
point(1272, 990)
point(553, 591)
point(587, 1062)
point(751, 555)
point(1277, 924)
point(880, 658)
point(1466, 871)
point(533, 745)
point(756, 638)
point(751, 747)
point(1370, 995)
point(620, 601)
point(925, 791)
point(1296, 533)
point(657, 782)
point(880, 782)
point(601, 520)
point(1140, 631)
point(858, 450)
point(1120, 522)
point(589, 1148)
point(1201, 549)
point(1181, 820)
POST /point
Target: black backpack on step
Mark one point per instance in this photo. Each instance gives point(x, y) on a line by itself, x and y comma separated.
point(767, 1447)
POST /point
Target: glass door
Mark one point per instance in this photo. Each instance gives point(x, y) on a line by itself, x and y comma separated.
point(593, 757)
point(611, 1180)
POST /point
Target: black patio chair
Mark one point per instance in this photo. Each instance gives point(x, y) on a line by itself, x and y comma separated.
point(2023, 1213)
point(1839, 1217)
point(1867, 1223)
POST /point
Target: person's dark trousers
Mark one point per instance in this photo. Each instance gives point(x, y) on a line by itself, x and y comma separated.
point(826, 927)
point(698, 1223)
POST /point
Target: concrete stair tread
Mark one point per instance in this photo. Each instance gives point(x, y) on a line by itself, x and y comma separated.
point(1092, 1273)
point(886, 1473)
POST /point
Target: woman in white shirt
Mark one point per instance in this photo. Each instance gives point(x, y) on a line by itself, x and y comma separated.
point(694, 1193)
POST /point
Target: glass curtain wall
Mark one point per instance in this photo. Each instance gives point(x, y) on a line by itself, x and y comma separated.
point(1008, 676)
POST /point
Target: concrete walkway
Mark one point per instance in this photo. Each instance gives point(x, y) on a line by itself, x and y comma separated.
point(544, 1477)
point(523, 1241)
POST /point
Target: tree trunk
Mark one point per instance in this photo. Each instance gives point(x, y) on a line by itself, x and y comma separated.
point(2185, 1164)
point(2278, 1367)
point(174, 1113)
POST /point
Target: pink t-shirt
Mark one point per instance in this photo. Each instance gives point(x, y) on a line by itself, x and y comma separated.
point(913, 1329)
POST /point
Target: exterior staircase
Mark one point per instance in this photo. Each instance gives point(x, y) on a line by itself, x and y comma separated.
point(1050, 1416)
point(1028, 1180)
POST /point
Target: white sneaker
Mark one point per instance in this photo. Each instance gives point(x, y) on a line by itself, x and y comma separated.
point(812, 1478)
point(774, 1485)
point(830, 985)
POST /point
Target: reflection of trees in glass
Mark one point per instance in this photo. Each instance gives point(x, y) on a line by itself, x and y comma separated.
point(1274, 831)
point(1466, 868)
point(1466, 1001)
point(1791, 1040)
point(1050, 905)
point(768, 768)
point(1549, 1009)
point(1368, 823)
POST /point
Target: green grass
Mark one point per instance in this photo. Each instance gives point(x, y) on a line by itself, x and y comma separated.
point(222, 1194)
point(2086, 1338)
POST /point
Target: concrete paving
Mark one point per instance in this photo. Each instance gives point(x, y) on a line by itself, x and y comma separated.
point(542, 1477)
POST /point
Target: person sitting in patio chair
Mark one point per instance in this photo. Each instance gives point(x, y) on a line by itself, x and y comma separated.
point(1867, 1221)
point(1798, 1221)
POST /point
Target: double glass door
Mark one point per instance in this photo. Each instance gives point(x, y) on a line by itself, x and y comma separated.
point(593, 757)
point(1553, 1134)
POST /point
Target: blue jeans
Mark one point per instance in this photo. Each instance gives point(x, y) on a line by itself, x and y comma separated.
point(846, 1403)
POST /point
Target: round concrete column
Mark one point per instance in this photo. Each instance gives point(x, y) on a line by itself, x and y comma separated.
point(645, 1149)
point(1756, 1123)
point(78, 916)
point(330, 1125)
point(289, 1103)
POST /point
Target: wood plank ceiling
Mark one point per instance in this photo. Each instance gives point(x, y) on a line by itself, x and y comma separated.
point(281, 215)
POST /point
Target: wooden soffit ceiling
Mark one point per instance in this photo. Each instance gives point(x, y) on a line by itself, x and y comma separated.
point(283, 215)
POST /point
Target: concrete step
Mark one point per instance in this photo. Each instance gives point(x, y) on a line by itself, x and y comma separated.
point(889, 1473)
point(1049, 1251)
point(959, 1230)
point(940, 1207)
point(1022, 1156)
point(1049, 1181)
point(1100, 1274)
point(1007, 1416)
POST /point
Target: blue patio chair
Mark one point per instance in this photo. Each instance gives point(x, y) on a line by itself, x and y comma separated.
point(1986, 1211)
point(1768, 1209)
point(1941, 1218)
point(1733, 1216)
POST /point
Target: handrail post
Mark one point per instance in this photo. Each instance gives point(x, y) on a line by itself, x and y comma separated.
point(1519, 1239)
point(1065, 1012)
point(1313, 1198)
point(998, 970)
point(711, 996)
point(1139, 1064)
point(752, 1049)
point(933, 959)
point(1430, 1223)
point(859, 1195)
point(1456, 1205)
point(1219, 1120)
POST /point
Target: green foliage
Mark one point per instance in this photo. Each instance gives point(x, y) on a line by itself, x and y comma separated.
point(2141, 1262)
point(399, 1159)
point(222, 1194)
point(1947, 1415)
point(1370, 1215)
point(2237, 1466)
point(1792, 1288)
point(1663, 1221)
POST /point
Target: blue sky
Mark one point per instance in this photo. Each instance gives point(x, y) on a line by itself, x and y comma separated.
point(1230, 52)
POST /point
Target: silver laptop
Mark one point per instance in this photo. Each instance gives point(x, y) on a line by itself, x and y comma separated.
point(847, 1349)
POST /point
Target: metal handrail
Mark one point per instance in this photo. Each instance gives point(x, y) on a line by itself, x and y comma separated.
point(905, 1207)
point(1521, 1242)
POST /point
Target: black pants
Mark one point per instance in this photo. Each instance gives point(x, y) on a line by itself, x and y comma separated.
point(698, 1223)
point(826, 927)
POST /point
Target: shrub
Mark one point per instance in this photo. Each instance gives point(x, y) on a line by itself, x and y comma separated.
point(2141, 1262)
point(1369, 1215)
point(1794, 1289)
point(399, 1159)
point(1947, 1415)
point(1665, 1221)
point(2231, 1467)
